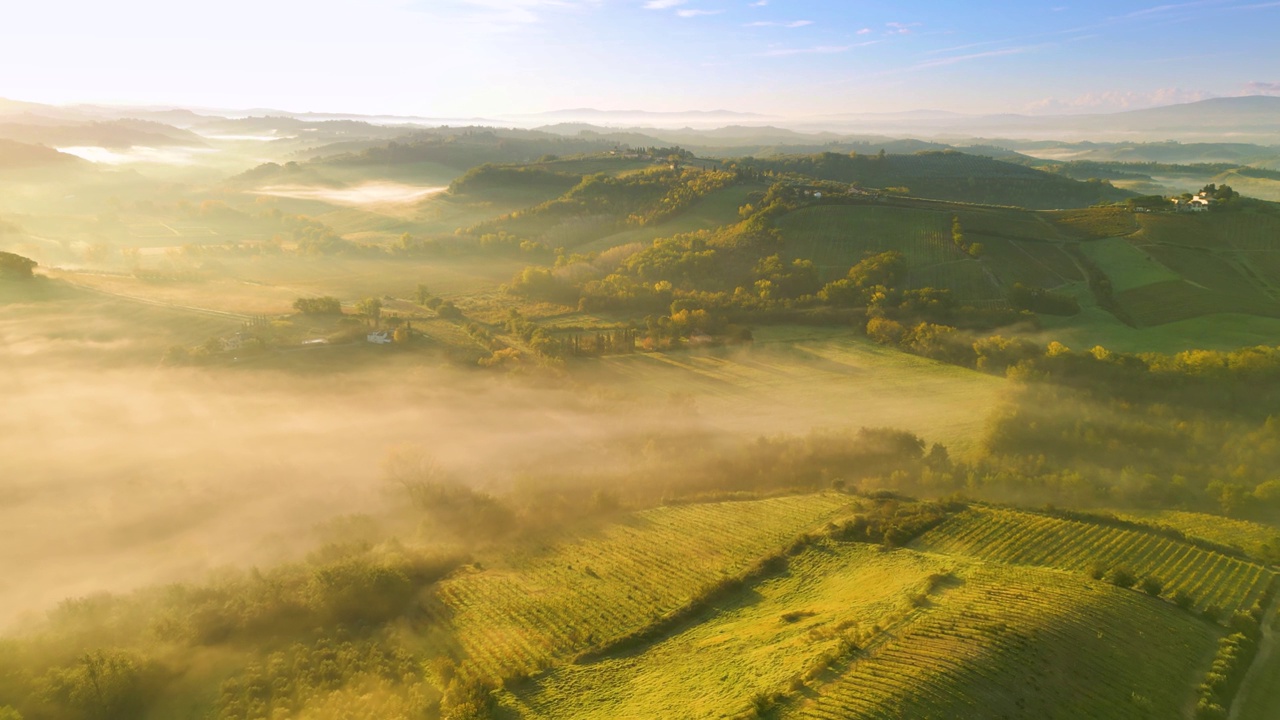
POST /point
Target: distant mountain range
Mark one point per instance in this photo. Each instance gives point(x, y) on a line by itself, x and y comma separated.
point(1250, 119)
point(1243, 122)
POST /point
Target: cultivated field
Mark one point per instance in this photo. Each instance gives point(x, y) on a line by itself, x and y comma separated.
point(836, 237)
point(1251, 537)
point(544, 605)
point(799, 379)
point(1127, 266)
point(849, 630)
point(762, 640)
point(708, 213)
point(1021, 642)
point(1211, 579)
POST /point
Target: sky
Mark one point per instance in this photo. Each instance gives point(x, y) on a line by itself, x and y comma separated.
point(789, 58)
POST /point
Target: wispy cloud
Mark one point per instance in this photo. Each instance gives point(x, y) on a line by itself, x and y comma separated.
point(815, 50)
point(976, 56)
point(819, 50)
point(693, 12)
point(771, 23)
point(864, 31)
point(663, 4)
point(1170, 8)
point(897, 28)
point(1262, 88)
point(758, 3)
point(498, 14)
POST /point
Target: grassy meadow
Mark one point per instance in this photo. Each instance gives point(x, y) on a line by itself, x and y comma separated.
point(802, 379)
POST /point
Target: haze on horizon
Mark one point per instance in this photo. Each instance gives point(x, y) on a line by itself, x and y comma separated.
point(461, 58)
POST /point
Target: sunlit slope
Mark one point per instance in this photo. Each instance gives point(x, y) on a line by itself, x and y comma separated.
point(1165, 267)
point(1157, 268)
point(1019, 642)
point(947, 175)
point(1017, 246)
point(1227, 262)
point(1256, 539)
point(1210, 578)
point(799, 379)
point(714, 210)
point(704, 610)
point(847, 630)
point(756, 642)
point(519, 617)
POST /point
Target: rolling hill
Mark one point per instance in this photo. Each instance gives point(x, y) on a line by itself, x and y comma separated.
point(785, 607)
point(946, 175)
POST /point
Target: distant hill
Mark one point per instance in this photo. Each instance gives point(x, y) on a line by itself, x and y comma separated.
point(16, 155)
point(948, 175)
point(1254, 119)
point(1161, 152)
point(465, 148)
point(1243, 119)
point(108, 134)
point(632, 114)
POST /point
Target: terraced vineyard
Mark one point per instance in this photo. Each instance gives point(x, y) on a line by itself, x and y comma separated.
point(560, 600)
point(1023, 642)
point(1251, 537)
point(847, 630)
point(755, 642)
point(1211, 579)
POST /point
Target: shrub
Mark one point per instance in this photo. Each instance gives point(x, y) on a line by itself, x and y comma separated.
point(325, 305)
point(1121, 577)
point(1152, 585)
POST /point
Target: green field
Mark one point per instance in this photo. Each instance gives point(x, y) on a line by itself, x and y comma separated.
point(1127, 266)
point(836, 237)
point(1017, 246)
point(1173, 300)
point(1093, 223)
point(1211, 579)
point(1253, 538)
point(545, 605)
point(715, 210)
point(848, 630)
point(743, 645)
point(57, 323)
point(1021, 642)
point(799, 379)
point(1222, 331)
point(1009, 223)
point(269, 284)
point(1030, 263)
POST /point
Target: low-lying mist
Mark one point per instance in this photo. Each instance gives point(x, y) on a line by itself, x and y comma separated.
point(370, 193)
point(118, 472)
point(119, 477)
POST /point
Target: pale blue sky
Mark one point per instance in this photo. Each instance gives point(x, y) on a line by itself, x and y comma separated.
point(786, 57)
